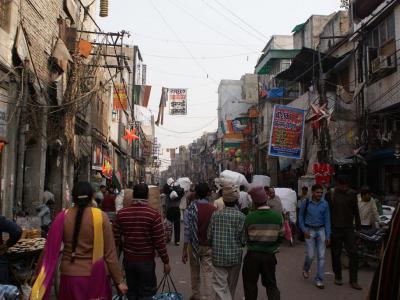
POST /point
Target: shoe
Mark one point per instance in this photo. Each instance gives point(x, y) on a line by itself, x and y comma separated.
point(338, 282)
point(306, 274)
point(176, 243)
point(319, 285)
point(356, 286)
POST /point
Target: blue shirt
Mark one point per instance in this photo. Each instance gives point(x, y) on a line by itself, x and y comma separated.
point(317, 216)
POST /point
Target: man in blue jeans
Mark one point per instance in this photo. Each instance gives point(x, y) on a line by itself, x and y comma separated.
point(315, 222)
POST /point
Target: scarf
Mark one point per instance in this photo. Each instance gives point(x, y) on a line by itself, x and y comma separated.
point(99, 280)
point(193, 229)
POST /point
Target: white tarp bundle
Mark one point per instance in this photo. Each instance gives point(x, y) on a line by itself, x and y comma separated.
point(184, 183)
point(261, 180)
point(228, 177)
point(289, 201)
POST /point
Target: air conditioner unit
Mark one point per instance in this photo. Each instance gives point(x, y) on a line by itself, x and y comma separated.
point(382, 63)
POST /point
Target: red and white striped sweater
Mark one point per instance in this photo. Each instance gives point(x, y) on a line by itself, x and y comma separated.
point(142, 231)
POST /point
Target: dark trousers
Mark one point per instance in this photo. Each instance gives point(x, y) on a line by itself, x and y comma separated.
point(4, 272)
point(346, 237)
point(256, 263)
point(174, 216)
point(141, 280)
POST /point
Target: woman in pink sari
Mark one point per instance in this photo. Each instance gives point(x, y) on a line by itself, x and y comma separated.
point(89, 257)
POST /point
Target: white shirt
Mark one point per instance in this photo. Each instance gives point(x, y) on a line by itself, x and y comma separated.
point(244, 200)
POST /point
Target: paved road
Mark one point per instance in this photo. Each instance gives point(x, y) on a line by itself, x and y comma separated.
point(290, 280)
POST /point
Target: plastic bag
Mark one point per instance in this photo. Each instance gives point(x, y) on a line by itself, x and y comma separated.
point(167, 290)
point(9, 292)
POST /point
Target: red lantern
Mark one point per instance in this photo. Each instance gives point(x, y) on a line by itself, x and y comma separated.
point(232, 152)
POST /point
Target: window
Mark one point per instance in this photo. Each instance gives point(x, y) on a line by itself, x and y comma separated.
point(5, 6)
point(383, 33)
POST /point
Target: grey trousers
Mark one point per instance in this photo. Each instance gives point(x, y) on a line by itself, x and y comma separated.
point(224, 282)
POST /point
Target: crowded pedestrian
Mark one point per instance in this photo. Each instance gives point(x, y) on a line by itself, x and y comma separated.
point(369, 215)
point(219, 202)
point(108, 205)
point(99, 196)
point(196, 248)
point(274, 202)
point(314, 220)
point(227, 239)
point(244, 203)
point(264, 231)
point(174, 194)
point(344, 211)
point(87, 255)
point(14, 234)
point(140, 227)
point(45, 213)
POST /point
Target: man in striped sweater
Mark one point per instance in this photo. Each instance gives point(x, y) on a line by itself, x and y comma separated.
point(264, 231)
point(141, 229)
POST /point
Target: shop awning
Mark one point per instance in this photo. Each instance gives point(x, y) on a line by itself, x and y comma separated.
point(305, 65)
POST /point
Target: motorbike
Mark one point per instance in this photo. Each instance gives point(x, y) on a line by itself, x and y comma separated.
point(369, 245)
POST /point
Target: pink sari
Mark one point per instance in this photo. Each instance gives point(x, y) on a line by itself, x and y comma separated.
point(97, 286)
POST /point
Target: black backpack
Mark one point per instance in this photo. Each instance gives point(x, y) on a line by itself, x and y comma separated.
point(300, 234)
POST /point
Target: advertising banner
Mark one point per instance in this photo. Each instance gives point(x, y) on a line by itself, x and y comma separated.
point(177, 99)
point(120, 97)
point(287, 131)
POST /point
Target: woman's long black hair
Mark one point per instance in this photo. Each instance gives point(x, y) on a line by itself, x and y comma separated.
point(82, 194)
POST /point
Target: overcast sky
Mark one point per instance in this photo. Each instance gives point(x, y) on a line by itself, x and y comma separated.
point(195, 43)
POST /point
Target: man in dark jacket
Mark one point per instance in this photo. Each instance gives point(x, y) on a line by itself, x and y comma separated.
point(14, 232)
point(344, 214)
point(174, 194)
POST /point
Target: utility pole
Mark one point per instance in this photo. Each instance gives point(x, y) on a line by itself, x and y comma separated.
point(19, 186)
point(324, 135)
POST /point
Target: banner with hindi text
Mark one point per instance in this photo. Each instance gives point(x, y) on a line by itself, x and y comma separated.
point(177, 99)
point(287, 132)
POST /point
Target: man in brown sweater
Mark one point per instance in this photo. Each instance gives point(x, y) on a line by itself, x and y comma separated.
point(344, 214)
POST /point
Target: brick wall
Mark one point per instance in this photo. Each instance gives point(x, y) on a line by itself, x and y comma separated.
point(39, 18)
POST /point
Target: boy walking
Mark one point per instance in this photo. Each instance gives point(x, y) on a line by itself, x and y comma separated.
point(226, 238)
point(314, 219)
point(264, 230)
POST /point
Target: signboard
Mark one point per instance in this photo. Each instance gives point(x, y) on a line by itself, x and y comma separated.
point(3, 114)
point(177, 99)
point(120, 97)
point(287, 130)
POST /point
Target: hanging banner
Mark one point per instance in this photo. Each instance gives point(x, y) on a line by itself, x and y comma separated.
point(120, 97)
point(177, 101)
point(287, 131)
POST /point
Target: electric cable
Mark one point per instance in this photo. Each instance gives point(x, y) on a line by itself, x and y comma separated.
point(183, 44)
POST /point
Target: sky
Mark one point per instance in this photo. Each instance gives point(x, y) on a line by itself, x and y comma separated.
point(194, 44)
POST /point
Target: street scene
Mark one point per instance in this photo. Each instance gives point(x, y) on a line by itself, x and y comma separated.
point(202, 149)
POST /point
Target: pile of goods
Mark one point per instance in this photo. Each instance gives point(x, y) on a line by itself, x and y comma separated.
point(28, 245)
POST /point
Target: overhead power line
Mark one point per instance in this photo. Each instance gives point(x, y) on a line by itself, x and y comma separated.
point(202, 57)
point(182, 43)
point(241, 19)
point(192, 131)
point(232, 22)
point(221, 33)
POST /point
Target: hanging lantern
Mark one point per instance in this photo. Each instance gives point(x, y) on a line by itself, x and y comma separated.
point(238, 153)
point(232, 152)
point(238, 159)
point(130, 135)
point(103, 8)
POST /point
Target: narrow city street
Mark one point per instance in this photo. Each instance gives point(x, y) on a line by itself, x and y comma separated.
point(290, 281)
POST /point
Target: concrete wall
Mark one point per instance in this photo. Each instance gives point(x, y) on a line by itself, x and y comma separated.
point(339, 25)
point(309, 36)
point(230, 101)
